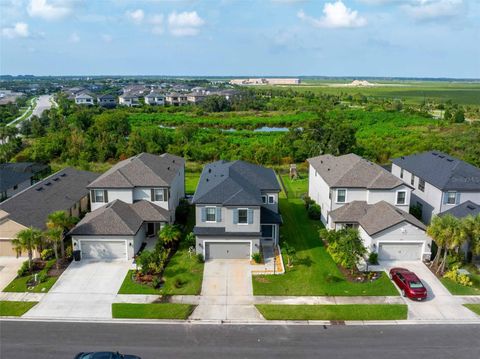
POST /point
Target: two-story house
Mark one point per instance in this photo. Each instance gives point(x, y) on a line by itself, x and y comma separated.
point(84, 99)
point(130, 203)
point(176, 99)
point(107, 101)
point(354, 192)
point(236, 210)
point(440, 181)
point(154, 98)
point(129, 100)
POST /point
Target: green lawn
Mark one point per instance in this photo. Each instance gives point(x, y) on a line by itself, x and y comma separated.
point(314, 272)
point(297, 187)
point(191, 181)
point(457, 289)
point(334, 312)
point(474, 308)
point(152, 310)
point(19, 284)
point(15, 309)
point(182, 267)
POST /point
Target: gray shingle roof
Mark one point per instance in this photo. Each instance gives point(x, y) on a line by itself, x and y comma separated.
point(9, 178)
point(59, 191)
point(442, 171)
point(353, 171)
point(269, 216)
point(234, 183)
point(150, 212)
point(220, 231)
point(373, 218)
point(25, 167)
point(143, 170)
point(464, 209)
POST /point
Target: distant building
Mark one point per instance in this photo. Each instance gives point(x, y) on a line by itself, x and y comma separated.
point(176, 99)
point(266, 81)
point(129, 100)
point(84, 99)
point(15, 177)
point(107, 101)
point(154, 98)
point(196, 97)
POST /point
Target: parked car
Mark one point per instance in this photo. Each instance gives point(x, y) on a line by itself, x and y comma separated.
point(410, 285)
point(105, 355)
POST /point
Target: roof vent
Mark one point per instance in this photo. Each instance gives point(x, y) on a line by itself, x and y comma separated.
point(207, 179)
point(39, 189)
point(56, 179)
point(449, 159)
point(469, 206)
point(209, 170)
point(441, 156)
point(435, 153)
point(63, 175)
point(48, 183)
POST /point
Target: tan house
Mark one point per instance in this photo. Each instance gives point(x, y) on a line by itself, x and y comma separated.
point(64, 190)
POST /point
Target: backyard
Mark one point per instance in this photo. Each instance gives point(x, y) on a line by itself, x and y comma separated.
point(313, 272)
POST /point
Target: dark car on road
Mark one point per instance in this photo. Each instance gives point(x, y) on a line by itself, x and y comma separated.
point(410, 285)
point(105, 355)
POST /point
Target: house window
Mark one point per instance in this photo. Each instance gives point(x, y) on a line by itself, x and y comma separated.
point(451, 197)
point(341, 195)
point(401, 197)
point(159, 194)
point(242, 216)
point(211, 214)
point(350, 225)
point(421, 185)
point(264, 199)
point(271, 199)
point(99, 196)
point(412, 180)
point(401, 173)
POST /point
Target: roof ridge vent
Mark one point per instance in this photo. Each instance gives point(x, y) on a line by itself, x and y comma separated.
point(39, 188)
point(469, 206)
point(63, 175)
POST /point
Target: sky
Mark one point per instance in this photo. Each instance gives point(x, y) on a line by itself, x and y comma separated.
point(392, 38)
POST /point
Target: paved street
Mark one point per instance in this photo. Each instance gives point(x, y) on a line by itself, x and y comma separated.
point(22, 340)
point(226, 290)
point(86, 289)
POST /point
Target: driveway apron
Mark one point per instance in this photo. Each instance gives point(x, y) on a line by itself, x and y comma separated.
point(85, 290)
point(227, 291)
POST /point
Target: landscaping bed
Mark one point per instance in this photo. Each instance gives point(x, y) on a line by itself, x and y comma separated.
point(46, 273)
point(334, 312)
point(459, 289)
point(152, 310)
point(473, 307)
point(314, 272)
point(15, 309)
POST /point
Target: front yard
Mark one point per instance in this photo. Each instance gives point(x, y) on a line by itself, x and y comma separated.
point(21, 284)
point(15, 309)
point(334, 312)
point(152, 311)
point(474, 308)
point(458, 289)
point(314, 272)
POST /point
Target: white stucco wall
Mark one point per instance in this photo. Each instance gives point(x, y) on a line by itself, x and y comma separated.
point(318, 191)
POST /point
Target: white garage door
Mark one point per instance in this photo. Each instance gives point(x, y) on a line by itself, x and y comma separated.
point(400, 251)
point(225, 250)
point(103, 249)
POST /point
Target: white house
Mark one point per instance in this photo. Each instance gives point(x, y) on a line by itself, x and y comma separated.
point(130, 202)
point(154, 98)
point(440, 181)
point(335, 181)
point(129, 100)
point(84, 99)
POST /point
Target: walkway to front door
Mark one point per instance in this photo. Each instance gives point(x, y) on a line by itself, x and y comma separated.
point(226, 291)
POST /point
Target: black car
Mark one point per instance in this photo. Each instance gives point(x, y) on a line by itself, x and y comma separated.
point(105, 355)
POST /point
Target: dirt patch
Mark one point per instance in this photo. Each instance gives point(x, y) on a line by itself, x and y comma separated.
point(262, 280)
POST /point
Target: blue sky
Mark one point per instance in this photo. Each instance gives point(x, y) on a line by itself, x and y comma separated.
point(410, 38)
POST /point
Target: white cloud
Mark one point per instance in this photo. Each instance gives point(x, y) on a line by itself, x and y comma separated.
point(432, 9)
point(136, 16)
point(157, 22)
point(20, 29)
point(184, 23)
point(107, 38)
point(335, 15)
point(54, 10)
point(74, 38)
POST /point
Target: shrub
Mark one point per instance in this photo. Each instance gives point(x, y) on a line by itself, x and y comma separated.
point(42, 277)
point(373, 258)
point(314, 211)
point(23, 270)
point(344, 246)
point(69, 253)
point(46, 254)
point(144, 260)
point(200, 258)
point(307, 201)
point(190, 239)
point(156, 281)
point(461, 279)
point(257, 257)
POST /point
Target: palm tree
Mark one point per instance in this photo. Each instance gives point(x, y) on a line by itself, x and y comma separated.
point(55, 236)
point(471, 228)
point(26, 240)
point(436, 230)
point(170, 234)
point(60, 219)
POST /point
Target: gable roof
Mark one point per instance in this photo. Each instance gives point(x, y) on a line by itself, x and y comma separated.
point(442, 171)
point(143, 170)
point(462, 210)
point(234, 183)
point(106, 97)
point(83, 95)
point(24, 167)
point(373, 218)
point(353, 171)
point(10, 178)
point(59, 191)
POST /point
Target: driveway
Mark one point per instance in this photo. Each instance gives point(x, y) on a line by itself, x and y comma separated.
point(8, 269)
point(85, 290)
point(227, 291)
point(440, 304)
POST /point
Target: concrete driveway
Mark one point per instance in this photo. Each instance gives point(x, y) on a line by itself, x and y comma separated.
point(440, 304)
point(8, 269)
point(85, 290)
point(226, 291)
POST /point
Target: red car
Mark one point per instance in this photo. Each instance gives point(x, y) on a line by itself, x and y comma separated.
point(408, 282)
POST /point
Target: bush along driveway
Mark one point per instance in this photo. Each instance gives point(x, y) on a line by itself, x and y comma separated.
point(25, 281)
point(314, 273)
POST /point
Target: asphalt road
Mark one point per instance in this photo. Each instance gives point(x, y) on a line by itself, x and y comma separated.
point(22, 340)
